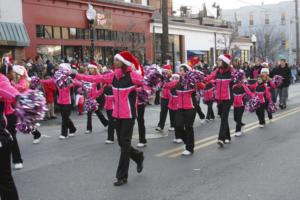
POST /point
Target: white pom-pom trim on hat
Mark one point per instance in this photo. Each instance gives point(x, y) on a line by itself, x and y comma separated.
point(186, 65)
point(20, 70)
point(123, 60)
point(225, 59)
point(91, 66)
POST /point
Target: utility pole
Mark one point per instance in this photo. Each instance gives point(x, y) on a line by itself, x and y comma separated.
point(165, 31)
point(297, 33)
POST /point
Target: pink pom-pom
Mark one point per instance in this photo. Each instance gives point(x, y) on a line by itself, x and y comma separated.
point(277, 80)
point(272, 107)
point(237, 76)
point(253, 104)
point(31, 107)
point(62, 78)
point(152, 76)
point(34, 82)
point(191, 78)
point(91, 104)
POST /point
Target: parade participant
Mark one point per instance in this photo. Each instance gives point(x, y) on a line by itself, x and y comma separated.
point(261, 90)
point(141, 121)
point(11, 126)
point(239, 90)
point(208, 97)
point(65, 103)
point(8, 189)
point(50, 90)
point(22, 84)
point(92, 68)
point(271, 87)
point(284, 71)
point(79, 101)
point(164, 102)
point(255, 71)
point(222, 76)
point(173, 107)
point(124, 83)
point(186, 110)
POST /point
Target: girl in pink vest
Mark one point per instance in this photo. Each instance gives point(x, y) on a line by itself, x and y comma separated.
point(208, 97)
point(124, 82)
point(22, 85)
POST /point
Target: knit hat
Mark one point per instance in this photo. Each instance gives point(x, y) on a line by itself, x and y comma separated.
point(129, 60)
point(265, 71)
point(92, 66)
point(226, 58)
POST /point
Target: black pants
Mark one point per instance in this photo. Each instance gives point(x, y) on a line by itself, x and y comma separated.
point(219, 108)
point(199, 111)
point(224, 132)
point(260, 112)
point(184, 126)
point(111, 128)
point(172, 117)
point(124, 129)
point(163, 112)
point(157, 97)
point(100, 116)
point(238, 116)
point(8, 190)
point(270, 115)
point(11, 127)
point(141, 123)
point(67, 123)
point(210, 112)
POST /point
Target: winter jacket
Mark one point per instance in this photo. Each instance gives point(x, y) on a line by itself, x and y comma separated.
point(124, 90)
point(262, 91)
point(109, 98)
point(186, 98)
point(223, 83)
point(173, 100)
point(49, 89)
point(239, 92)
point(208, 92)
point(285, 73)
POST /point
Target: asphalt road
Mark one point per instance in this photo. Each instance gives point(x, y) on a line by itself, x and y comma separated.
point(262, 165)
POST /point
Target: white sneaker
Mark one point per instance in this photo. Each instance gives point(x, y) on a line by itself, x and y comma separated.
point(220, 143)
point(88, 132)
point(109, 142)
point(227, 141)
point(179, 141)
point(141, 145)
point(175, 140)
point(186, 153)
point(72, 134)
point(202, 121)
point(36, 141)
point(270, 120)
point(18, 166)
point(158, 129)
point(171, 129)
point(61, 137)
point(261, 126)
point(238, 134)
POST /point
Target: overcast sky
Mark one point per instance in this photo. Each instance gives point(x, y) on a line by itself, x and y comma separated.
point(225, 4)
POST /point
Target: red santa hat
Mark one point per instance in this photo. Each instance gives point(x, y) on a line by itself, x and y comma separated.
point(129, 60)
point(167, 67)
point(226, 58)
point(92, 65)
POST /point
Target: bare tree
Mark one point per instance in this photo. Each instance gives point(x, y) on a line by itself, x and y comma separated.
point(268, 44)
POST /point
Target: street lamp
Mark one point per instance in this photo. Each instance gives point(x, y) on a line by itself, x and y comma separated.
point(91, 16)
point(254, 40)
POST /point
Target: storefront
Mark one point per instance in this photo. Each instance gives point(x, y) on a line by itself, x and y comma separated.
point(240, 50)
point(59, 30)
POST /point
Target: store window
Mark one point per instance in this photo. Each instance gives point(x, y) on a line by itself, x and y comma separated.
point(108, 35)
point(100, 34)
point(72, 33)
point(49, 52)
point(79, 33)
point(65, 33)
point(48, 32)
point(86, 34)
point(56, 32)
point(40, 32)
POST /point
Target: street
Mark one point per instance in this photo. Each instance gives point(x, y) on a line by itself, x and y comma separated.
point(262, 165)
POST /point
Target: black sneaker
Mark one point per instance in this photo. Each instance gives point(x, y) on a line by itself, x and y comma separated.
point(139, 167)
point(120, 182)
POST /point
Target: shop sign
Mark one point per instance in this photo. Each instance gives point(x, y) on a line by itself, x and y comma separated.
point(103, 20)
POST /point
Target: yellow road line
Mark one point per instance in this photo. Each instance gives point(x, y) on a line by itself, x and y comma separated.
point(197, 147)
point(174, 150)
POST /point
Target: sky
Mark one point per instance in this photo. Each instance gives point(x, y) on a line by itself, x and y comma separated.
point(225, 4)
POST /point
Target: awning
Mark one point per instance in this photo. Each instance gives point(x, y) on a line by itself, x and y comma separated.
point(13, 34)
point(195, 52)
